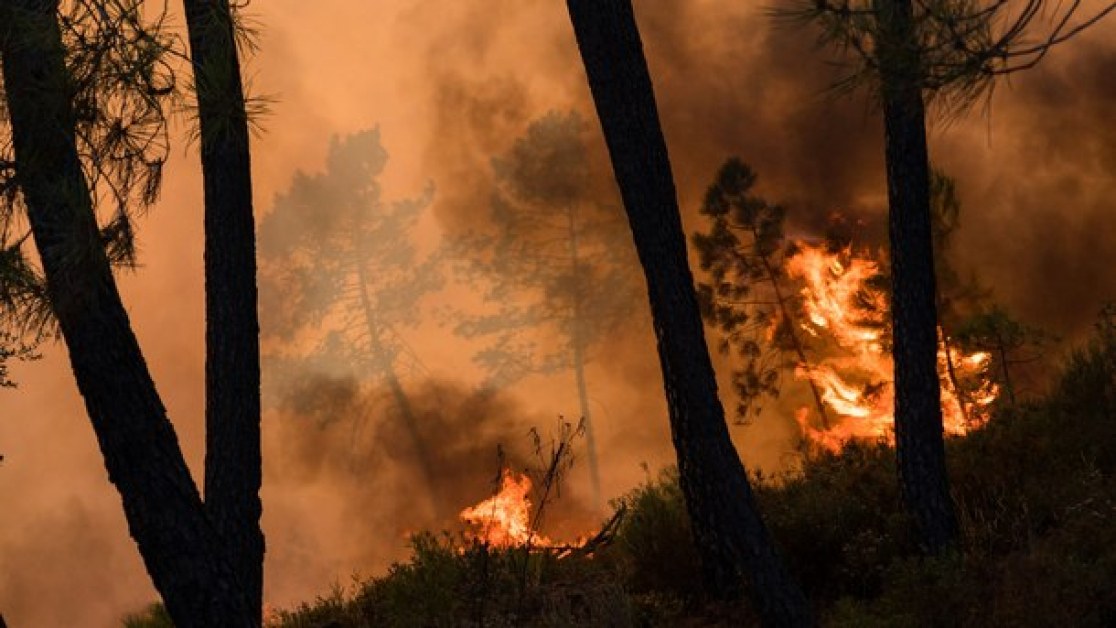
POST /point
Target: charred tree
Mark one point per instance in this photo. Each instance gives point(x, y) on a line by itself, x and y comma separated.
point(919, 441)
point(731, 538)
point(233, 464)
point(181, 548)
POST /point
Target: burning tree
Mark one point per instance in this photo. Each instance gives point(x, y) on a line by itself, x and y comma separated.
point(556, 263)
point(776, 301)
point(748, 297)
point(952, 51)
point(846, 304)
point(340, 263)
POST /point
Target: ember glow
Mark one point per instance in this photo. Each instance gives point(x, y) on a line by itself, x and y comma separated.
point(846, 315)
point(504, 520)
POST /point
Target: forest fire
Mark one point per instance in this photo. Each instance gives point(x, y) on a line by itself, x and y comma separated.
point(846, 314)
point(504, 520)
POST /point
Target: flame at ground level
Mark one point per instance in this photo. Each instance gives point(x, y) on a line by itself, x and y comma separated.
point(504, 520)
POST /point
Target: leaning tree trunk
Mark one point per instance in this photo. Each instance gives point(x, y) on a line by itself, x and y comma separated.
point(232, 332)
point(181, 548)
point(919, 442)
point(730, 535)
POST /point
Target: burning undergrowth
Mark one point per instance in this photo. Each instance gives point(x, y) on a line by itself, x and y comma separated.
point(345, 489)
point(1035, 495)
point(846, 311)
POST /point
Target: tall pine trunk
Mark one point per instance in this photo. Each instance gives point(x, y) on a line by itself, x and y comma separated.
point(183, 552)
point(919, 442)
point(232, 366)
point(731, 538)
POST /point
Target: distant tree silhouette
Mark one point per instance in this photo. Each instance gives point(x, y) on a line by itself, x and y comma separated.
point(556, 260)
point(747, 297)
point(50, 119)
point(951, 51)
point(341, 261)
point(730, 536)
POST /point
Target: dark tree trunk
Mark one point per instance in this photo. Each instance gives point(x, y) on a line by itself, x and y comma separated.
point(730, 536)
point(181, 549)
point(919, 442)
point(232, 368)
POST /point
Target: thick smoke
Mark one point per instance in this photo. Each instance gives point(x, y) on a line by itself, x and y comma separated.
point(452, 84)
point(344, 491)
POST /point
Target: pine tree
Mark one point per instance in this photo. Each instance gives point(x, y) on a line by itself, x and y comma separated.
point(341, 263)
point(748, 297)
point(731, 538)
point(906, 51)
point(554, 262)
point(185, 554)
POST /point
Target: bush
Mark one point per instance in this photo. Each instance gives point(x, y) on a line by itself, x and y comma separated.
point(1036, 496)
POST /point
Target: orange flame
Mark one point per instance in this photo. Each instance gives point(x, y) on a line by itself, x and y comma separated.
point(504, 520)
point(844, 309)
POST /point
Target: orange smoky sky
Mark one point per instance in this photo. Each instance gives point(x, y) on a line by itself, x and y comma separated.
point(450, 84)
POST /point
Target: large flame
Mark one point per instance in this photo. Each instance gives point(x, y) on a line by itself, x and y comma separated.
point(843, 309)
point(504, 520)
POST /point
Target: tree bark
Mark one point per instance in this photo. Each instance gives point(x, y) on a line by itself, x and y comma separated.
point(180, 547)
point(232, 369)
point(919, 443)
point(731, 538)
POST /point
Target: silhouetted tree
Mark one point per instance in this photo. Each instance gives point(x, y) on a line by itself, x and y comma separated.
point(747, 298)
point(50, 117)
point(233, 464)
point(556, 259)
point(950, 50)
point(730, 536)
point(341, 261)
